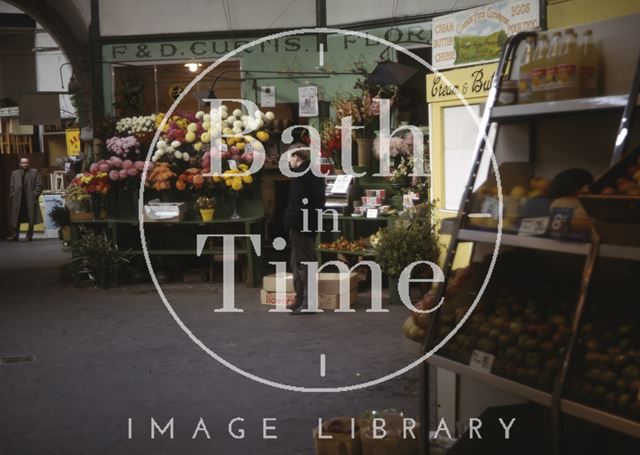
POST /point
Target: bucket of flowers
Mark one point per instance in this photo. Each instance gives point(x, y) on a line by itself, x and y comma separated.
point(96, 185)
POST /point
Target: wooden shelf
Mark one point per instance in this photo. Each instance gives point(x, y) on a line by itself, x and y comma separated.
point(543, 243)
point(582, 411)
point(597, 416)
point(521, 390)
point(577, 106)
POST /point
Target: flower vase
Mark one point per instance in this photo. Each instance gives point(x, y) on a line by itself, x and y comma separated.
point(234, 205)
point(364, 151)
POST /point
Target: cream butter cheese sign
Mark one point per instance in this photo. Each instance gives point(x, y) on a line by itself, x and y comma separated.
point(477, 35)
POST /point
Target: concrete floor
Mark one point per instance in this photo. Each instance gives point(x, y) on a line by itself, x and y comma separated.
point(104, 357)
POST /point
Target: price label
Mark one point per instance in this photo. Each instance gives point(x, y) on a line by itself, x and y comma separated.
point(560, 225)
point(372, 213)
point(534, 226)
point(490, 205)
point(481, 360)
point(341, 183)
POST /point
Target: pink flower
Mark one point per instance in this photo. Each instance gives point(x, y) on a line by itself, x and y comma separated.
point(126, 164)
point(132, 171)
point(114, 175)
point(123, 173)
point(103, 167)
point(93, 167)
point(116, 162)
point(139, 165)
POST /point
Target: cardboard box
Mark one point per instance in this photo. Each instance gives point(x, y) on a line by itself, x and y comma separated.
point(269, 282)
point(329, 283)
point(269, 298)
point(332, 301)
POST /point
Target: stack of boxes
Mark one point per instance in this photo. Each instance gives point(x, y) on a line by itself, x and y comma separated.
point(328, 289)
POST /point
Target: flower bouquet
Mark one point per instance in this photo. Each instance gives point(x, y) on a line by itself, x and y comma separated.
point(95, 184)
point(235, 183)
point(365, 112)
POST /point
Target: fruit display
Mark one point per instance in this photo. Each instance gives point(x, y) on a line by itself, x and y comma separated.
point(555, 199)
point(343, 244)
point(627, 184)
point(607, 369)
point(523, 319)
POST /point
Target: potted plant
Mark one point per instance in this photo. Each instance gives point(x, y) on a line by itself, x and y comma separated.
point(206, 205)
point(98, 255)
point(61, 218)
point(408, 239)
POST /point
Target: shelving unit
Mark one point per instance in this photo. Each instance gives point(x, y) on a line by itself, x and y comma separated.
point(459, 231)
point(521, 390)
point(518, 112)
point(542, 243)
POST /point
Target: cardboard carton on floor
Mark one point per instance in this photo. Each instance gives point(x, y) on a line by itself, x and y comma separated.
point(269, 282)
point(269, 298)
point(329, 283)
point(332, 301)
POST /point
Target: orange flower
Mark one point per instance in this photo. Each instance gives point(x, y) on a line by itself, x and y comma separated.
point(180, 185)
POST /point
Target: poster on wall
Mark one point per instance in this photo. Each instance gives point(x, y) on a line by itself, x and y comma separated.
point(72, 136)
point(308, 101)
point(477, 35)
point(268, 96)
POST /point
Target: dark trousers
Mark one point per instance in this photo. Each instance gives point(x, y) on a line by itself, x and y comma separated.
point(23, 217)
point(302, 250)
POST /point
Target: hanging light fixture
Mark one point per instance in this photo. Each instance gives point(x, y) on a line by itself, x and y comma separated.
point(193, 66)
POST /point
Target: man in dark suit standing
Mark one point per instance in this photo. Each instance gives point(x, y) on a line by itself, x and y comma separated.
point(306, 192)
point(25, 187)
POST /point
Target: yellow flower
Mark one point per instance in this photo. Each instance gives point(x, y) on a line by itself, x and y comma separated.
point(237, 184)
point(243, 167)
point(247, 179)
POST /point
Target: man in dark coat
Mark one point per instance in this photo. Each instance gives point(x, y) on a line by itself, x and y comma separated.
point(25, 187)
point(306, 192)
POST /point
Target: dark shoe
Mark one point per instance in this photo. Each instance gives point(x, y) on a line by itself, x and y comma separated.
point(29, 238)
point(301, 310)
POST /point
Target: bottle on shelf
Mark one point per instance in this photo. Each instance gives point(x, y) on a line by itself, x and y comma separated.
point(524, 81)
point(589, 60)
point(551, 69)
point(538, 65)
point(567, 80)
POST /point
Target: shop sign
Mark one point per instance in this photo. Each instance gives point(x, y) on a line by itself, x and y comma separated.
point(73, 141)
point(471, 82)
point(203, 49)
point(477, 35)
point(405, 34)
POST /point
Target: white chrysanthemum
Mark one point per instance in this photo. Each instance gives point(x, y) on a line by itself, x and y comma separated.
point(175, 144)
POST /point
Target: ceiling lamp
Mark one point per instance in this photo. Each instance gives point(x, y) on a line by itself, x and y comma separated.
point(193, 66)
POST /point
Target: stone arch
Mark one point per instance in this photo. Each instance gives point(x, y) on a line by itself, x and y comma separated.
point(66, 24)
